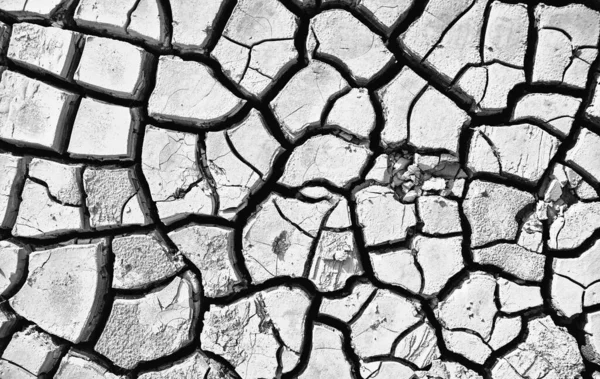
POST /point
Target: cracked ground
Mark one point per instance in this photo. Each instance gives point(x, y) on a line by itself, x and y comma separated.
point(311, 189)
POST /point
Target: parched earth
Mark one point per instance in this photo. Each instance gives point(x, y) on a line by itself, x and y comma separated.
point(312, 189)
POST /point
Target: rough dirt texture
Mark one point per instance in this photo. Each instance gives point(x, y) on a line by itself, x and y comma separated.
point(299, 189)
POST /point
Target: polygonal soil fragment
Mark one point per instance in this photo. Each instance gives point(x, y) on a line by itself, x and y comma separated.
point(64, 289)
point(513, 259)
point(506, 330)
point(515, 298)
point(103, 130)
point(79, 365)
point(469, 307)
point(142, 260)
point(435, 122)
point(250, 332)
point(299, 105)
point(492, 210)
point(574, 225)
point(383, 218)
point(157, 324)
point(522, 150)
point(439, 215)
point(197, 365)
point(397, 267)
point(548, 351)
point(479, 319)
point(193, 23)
point(554, 110)
point(210, 249)
point(33, 113)
point(566, 296)
point(327, 359)
point(336, 260)
point(141, 18)
point(566, 44)
point(170, 166)
point(51, 200)
point(113, 198)
point(345, 39)
point(277, 239)
point(12, 175)
point(325, 158)
point(43, 48)
point(383, 320)
point(199, 100)
point(506, 33)
point(33, 350)
point(12, 266)
point(113, 67)
point(257, 44)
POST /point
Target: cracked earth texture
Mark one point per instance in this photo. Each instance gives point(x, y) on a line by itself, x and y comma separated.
point(313, 189)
